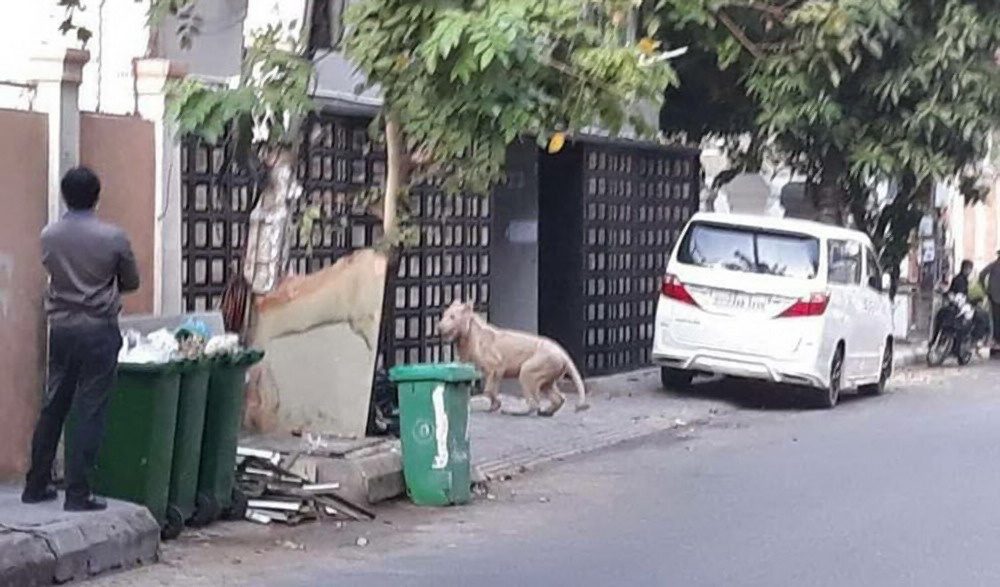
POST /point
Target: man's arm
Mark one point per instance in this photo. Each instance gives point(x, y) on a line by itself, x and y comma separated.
point(127, 271)
point(984, 277)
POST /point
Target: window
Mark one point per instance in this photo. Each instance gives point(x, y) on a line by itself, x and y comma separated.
point(874, 271)
point(750, 250)
point(845, 262)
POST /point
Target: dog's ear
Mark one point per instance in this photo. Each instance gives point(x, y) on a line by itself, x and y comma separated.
point(469, 306)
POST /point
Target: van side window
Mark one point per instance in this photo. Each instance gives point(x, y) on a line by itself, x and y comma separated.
point(874, 271)
point(844, 262)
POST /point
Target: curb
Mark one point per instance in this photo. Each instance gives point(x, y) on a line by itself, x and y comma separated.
point(40, 545)
point(507, 468)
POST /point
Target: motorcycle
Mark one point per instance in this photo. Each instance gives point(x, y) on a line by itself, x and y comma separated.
point(957, 332)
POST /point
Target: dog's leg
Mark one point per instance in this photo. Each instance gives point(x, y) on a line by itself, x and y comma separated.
point(556, 399)
point(530, 387)
point(492, 390)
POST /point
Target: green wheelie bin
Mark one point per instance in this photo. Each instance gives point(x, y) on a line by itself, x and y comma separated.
point(187, 445)
point(217, 494)
point(434, 430)
point(136, 453)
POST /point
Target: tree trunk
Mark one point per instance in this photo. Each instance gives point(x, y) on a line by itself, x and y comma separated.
point(269, 233)
point(895, 224)
point(828, 196)
point(395, 171)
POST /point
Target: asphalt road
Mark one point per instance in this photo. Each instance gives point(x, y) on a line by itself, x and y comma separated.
point(901, 490)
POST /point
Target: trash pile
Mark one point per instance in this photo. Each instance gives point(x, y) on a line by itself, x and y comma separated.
point(191, 341)
point(282, 488)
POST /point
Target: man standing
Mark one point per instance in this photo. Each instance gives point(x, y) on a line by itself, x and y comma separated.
point(990, 278)
point(90, 263)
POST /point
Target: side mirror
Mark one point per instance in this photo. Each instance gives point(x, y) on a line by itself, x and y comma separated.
point(886, 282)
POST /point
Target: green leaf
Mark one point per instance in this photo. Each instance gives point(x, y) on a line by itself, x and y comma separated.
point(487, 58)
point(729, 51)
point(83, 35)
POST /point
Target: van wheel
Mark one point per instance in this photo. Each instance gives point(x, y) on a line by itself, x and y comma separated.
point(675, 378)
point(884, 374)
point(828, 398)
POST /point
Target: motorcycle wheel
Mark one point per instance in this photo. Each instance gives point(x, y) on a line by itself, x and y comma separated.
point(938, 350)
point(965, 355)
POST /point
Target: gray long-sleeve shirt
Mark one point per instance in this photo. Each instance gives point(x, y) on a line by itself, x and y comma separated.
point(90, 264)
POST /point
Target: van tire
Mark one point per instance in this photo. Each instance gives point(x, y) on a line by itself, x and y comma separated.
point(885, 373)
point(827, 398)
point(675, 378)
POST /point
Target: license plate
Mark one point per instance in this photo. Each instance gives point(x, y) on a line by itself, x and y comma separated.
point(739, 301)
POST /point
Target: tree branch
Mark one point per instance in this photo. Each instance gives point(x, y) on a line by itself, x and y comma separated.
point(776, 11)
point(740, 36)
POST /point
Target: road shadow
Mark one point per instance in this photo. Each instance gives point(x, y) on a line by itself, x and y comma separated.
point(755, 395)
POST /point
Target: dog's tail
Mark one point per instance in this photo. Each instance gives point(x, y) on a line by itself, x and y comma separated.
point(573, 373)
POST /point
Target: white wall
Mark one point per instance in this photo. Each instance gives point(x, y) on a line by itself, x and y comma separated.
point(31, 28)
point(26, 27)
point(120, 35)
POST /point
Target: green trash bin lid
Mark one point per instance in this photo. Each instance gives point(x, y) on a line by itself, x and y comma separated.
point(446, 372)
point(153, 368)
point(244, 358)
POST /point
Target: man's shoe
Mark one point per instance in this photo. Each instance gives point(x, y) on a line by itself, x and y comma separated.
point(32, 497)
point(91, 504)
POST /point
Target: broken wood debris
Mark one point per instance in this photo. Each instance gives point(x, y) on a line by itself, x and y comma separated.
point(280, 489)
point(270, 456)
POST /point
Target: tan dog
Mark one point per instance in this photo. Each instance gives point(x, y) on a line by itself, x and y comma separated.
point(537, 362)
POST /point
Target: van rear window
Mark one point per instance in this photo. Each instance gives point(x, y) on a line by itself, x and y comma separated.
point(750, 250)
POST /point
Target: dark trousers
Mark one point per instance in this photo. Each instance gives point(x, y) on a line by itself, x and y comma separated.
point(81, 372)
point(995, 310)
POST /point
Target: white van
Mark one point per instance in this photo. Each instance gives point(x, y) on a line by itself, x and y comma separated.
point(787, 301)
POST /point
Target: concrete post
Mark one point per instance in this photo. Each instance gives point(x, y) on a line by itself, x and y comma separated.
point(152, 78)
point(58, 73)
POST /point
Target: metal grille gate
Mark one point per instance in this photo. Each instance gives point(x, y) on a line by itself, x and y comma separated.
point(339, 159)
point(452, 262)
point(599, 282)
point(637, 203)
point(215, 204)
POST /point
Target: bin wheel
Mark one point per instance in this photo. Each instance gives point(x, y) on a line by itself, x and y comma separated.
point(206, 510)
point(173, 524)
point(238, 509)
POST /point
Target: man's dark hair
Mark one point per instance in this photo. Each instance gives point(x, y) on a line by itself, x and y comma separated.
point(80, 188)
point(967, 265)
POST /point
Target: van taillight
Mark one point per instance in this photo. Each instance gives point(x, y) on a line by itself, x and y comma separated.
point(813, 305)
point(673, 288)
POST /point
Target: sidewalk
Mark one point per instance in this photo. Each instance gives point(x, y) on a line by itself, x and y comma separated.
point(623, 407)
point(43, 545)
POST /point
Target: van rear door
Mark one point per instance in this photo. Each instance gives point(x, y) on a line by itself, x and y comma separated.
point(753, 289)
point(740, 270)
